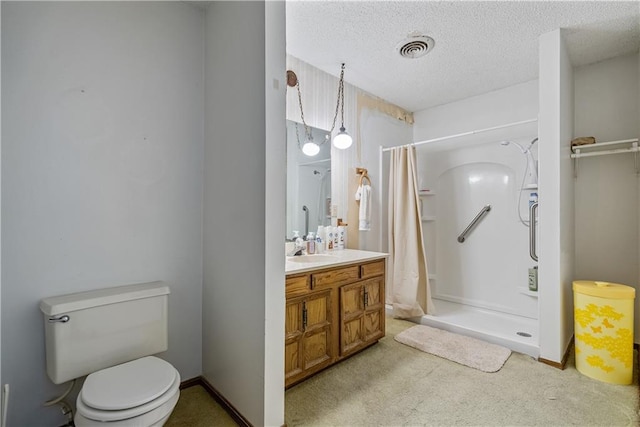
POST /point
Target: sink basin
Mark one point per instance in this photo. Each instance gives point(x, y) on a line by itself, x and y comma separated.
point(313, 258)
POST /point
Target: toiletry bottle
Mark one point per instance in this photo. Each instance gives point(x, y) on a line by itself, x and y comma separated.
point(329, 235)
point(320, 240)
point(336, 238)
point(341, 237)
point(311, 243)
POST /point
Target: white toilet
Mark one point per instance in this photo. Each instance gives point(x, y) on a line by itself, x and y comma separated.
point(110, 335)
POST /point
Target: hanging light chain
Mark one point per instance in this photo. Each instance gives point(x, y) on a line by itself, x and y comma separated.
point(298, 137)
point(307, 132)
point(339, 101)
point(342, 97)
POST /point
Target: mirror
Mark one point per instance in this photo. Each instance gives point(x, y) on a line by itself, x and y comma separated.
point(308, 181)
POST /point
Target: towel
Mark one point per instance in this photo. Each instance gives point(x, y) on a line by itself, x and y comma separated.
point(364, 195)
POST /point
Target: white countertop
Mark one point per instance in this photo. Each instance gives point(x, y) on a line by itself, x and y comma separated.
point(330, 259)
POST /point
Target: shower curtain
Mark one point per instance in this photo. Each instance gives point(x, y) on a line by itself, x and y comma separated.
point(409, 280)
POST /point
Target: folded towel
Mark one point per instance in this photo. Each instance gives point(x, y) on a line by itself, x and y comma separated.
point(583, 140)
point(364, 195)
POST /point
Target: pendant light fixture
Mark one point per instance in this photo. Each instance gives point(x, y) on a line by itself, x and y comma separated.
point(309, 148)
point(342, 140)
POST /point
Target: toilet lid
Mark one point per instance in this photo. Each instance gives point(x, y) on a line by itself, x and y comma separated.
point(128, 385)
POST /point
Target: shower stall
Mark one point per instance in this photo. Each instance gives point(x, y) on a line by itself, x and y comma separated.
point(475, 196)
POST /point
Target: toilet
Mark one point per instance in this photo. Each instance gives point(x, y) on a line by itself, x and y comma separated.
point(111, 336)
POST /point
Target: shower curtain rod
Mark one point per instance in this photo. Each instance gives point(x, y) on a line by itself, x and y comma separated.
point(473, 132)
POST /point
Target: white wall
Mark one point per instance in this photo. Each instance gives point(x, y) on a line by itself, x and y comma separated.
point(243, 295)
point(556, 211)
point(378, 129)
point(606, 198)
point(101, 172)
point(500, 107)
point(1, 377)
point(274, 208)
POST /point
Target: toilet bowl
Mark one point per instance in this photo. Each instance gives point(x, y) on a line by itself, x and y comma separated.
point(142, 392)
point(110, 335)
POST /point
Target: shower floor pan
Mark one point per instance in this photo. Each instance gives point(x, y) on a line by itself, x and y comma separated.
point(514, 332)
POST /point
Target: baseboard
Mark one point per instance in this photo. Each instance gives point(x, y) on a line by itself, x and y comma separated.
point(191, 383)
point(565, 358)
point(226, 405)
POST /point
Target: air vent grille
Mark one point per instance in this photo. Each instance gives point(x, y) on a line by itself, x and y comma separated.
point(415, 47)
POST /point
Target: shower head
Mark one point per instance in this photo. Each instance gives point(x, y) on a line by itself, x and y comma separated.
point(524, 150)
point(505, 143)
point(530, 171)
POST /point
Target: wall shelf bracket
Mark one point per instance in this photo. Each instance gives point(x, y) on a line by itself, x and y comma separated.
point(606, 148)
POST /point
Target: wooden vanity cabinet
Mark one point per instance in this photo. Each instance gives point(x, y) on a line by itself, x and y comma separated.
point(331, 314)
point(361, 314)
point(308, 335)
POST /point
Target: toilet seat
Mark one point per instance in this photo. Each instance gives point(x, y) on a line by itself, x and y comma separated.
point(154, 418)
point(129, 390)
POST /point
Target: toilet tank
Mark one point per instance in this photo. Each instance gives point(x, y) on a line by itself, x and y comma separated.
point(89, 331)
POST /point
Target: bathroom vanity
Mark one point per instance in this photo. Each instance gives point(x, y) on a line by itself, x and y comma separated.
point(335, 308)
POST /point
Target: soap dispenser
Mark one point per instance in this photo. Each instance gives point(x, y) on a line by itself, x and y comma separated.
point(300, 246)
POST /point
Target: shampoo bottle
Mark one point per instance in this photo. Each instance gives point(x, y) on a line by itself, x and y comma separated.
point(320, 240)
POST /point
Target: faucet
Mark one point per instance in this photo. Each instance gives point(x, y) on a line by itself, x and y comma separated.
point(306, 221)
point(297, 247)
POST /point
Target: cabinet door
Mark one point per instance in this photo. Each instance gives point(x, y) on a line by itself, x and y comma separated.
point(317, 331)
point(374, 309)
point(351, 315)
point(293, 339)
point(307, 336)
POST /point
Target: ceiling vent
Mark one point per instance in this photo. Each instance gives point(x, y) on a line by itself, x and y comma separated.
point(415, 46)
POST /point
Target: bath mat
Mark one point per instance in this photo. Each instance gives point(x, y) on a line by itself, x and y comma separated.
point(464, 350)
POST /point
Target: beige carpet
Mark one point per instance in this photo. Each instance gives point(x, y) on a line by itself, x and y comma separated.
point(391, 384)
point(461, 349)
point(196, 408)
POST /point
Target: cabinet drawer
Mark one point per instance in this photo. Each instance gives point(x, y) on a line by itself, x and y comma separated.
point(335, 277)
point(297, 285)
point(372, 269)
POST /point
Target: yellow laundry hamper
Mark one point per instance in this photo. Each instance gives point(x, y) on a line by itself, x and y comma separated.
point(603, 314)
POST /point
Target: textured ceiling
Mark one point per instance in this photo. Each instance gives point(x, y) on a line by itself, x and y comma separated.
point(479, 46)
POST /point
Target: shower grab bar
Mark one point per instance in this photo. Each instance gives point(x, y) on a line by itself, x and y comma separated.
point(306, 221)
point(533, 247)
point(474, 221)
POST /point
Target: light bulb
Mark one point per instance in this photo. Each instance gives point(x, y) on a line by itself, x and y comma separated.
point(342, 140)
point(310, 148)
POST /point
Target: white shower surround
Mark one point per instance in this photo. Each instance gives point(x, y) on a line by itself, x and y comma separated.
point(480, 286)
